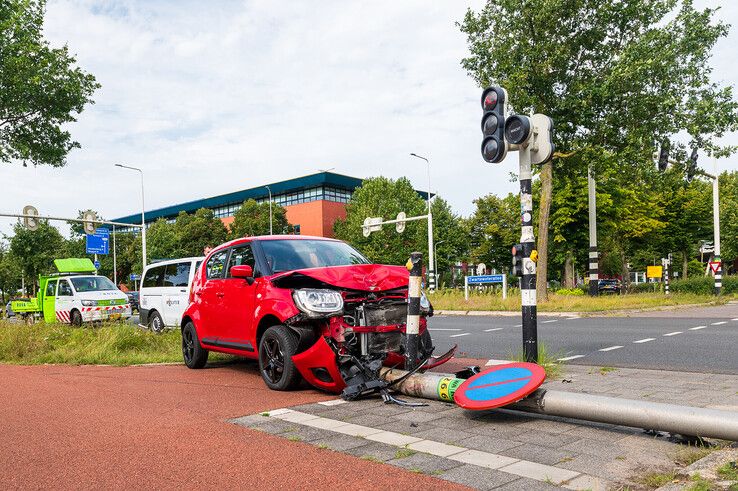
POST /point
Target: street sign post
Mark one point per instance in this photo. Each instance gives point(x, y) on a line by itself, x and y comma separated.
point(499, 386)
point(654, 271)
point(99, 242)
point(485, 279)
point(714, 266)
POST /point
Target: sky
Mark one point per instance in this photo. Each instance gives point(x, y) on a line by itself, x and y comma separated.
point(213, 97)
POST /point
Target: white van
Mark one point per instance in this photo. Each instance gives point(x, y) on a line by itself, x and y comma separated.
point(165, 292)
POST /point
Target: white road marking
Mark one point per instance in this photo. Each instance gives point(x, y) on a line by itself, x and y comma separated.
point(718, 323)
point(570, 358)
point(518, 325)
point(573, 317)
point(462, 334)
point(548, 322)
point(493, 329)
point(493, 362)
point(611, 348)
point(644, 340)
point(735, 320)
point(697, 328)
point(442, 329)
point(673, 333)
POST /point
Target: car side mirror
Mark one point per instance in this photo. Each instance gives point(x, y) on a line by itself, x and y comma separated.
point(243, 271)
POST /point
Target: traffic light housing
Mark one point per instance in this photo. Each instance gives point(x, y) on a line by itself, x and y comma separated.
point(664, 156)
point(494, 104)
point(517, 260)
point(89, 218)
point(692, 165)
point(30, 222)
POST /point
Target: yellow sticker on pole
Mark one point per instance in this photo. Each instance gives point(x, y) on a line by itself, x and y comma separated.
point(654, 271)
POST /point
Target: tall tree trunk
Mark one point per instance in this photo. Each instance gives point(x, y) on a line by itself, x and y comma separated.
point(685, 264)
point(543, 219)
point(569, 279)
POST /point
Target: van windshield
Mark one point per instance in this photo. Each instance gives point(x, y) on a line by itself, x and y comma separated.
point(288, 255)
point(92, 284)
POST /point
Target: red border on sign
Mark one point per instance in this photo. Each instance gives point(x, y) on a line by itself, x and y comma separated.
point(538, 375)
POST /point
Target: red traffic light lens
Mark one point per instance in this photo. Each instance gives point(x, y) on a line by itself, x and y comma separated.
point(490, 124)
point(489, 100)
point(514, 251)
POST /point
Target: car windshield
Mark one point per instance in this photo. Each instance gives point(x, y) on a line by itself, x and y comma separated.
point(92, 284)
point(288, 255)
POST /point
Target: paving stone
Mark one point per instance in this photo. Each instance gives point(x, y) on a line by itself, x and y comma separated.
point(488, 444)
point(315, 408)
point(306, 433)
point(274, 426)
point(417, 417)
point(461, 423)
point(332, 402)
point(368, 420)
point(501, 415)
point(404, 427)
point(294, 417)
point(443, 435)
point(356, 430)
point(376, 450)
point(609, 433)
point(541, 472)
point(546, 439)
point(476, 477)
point(341, 443)
point(250, 420)
point(392, 438)
point(390, 410)
point(536, 453)
point(427, 464)
point(483, 459)
point(435, 448)
point(325, 423)
point(588, 483)
point(540, 424)
point(615, 470)
point(594, 447)
point(524, 484)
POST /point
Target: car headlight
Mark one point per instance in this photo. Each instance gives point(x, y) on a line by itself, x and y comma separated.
point(89, 303)
point(314, 301)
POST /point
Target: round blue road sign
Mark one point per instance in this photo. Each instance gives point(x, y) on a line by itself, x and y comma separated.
point(499, 386)
point(97, 264)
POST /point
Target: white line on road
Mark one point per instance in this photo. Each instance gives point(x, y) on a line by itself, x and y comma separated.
point(442, 329)
point(493, 329)
point(573, 317)
point(673, 333)
point(570, 358)
point(736, 319)
point(718, 323)
point(518, 325)
point(611, 348)
point(462, 334)
point(548, 322)
point(644, 340)
point(697, 328)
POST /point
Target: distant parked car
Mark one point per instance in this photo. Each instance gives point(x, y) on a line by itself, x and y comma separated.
point(132, 299)
point(609, 286)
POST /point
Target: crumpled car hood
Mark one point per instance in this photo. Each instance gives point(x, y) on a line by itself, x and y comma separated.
point(364, 277)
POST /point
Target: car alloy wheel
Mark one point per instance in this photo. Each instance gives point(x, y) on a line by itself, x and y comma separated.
point(188, 346)
point(272, 360)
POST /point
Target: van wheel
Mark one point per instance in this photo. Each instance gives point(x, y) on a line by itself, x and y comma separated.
point(156, 324)
point(276, 348)
point(195, 356)
point(75, 318)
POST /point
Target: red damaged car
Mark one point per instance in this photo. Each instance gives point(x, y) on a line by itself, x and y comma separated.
point(305, 307)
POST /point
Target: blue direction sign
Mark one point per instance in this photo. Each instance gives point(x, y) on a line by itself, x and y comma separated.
point(135, 277)
point(99, 242)
point(488, 278)
point(499, 386)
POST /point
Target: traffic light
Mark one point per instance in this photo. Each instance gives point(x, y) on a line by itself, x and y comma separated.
point(692, 165)
point(30, 222)
point(664, 156)
point(517, 260)
point(494, 104)
point(89, 218)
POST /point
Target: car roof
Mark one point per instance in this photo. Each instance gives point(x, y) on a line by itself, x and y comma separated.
point(243, 240)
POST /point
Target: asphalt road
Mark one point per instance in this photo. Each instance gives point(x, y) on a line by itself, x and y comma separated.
point(673, 341)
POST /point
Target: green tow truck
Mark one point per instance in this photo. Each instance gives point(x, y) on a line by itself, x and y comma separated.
point(74, 295)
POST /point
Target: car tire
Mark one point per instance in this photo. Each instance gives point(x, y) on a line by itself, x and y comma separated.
point(194, 355)
point(276, 348)
point(156, 323)
point(75, 318)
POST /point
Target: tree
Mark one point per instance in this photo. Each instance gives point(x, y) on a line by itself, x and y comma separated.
point(252, 219)
point(615, 76)
point(194, 232)
point(10, 274)
point(36, 250)
point(451, 239)
point(40, 88)
point(493, 229)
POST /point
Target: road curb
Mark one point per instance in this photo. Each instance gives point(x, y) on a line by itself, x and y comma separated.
point(594, 313)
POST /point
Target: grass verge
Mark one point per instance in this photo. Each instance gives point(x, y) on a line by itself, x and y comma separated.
point(454, 300)
point(549, 361)
point(110, 344)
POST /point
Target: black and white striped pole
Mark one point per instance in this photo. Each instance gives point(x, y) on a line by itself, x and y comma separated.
point(530, 256)
point(716, 225)
point(666, 263)
point(594, 276)
point(412, 328)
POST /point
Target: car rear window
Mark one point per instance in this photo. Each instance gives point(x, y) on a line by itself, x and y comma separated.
point(288, 255)
point(154, 277)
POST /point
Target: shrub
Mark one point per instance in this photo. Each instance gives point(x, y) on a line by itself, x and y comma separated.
point(570, 291)
point(704, 285)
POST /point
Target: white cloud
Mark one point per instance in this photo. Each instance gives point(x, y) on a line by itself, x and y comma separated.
point(212, 97)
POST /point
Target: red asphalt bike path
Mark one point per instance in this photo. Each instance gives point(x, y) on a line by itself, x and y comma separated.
point(165, 427)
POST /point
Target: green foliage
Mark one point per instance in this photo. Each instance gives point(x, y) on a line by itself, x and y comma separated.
point(576, 292)
point(252, 219)
point(493, 229)
point(10, 273)
point(42, 89)
point(704, 285)
point(36, 250)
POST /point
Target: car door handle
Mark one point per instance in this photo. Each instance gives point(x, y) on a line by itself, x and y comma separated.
point(183, 291)
point(220, 294)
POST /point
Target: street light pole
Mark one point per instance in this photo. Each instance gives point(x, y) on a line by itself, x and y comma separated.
point(143, 208)
point(431, 260)
point(271, 231)
point(435, 255)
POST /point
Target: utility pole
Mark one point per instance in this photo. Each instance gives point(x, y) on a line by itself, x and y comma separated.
point(716, 225)
point(271, 231)
point(431, 262)
point(593, 254)
point(528, 241)
point(143, 217)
